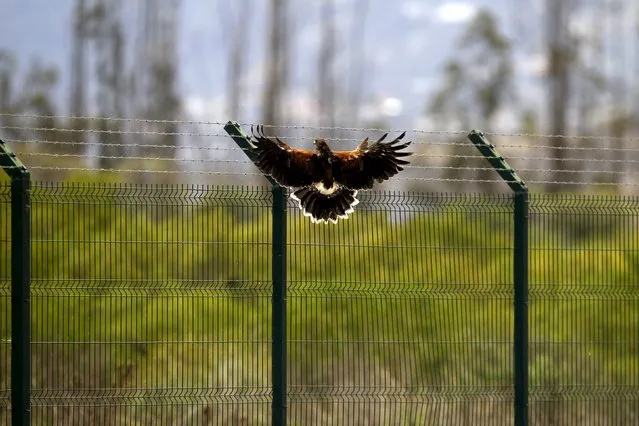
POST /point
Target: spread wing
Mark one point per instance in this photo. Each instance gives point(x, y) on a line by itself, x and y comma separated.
point(287, 165)
point(360, 168)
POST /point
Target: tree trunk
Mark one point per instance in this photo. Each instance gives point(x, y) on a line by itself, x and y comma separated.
point(277, 51)
point(358, 59)
point(77, 106)
point(559, 58)
point(237, 43)
point(326, 58)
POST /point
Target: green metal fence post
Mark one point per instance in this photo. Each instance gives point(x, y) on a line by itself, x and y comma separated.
point(520, 271)
point(20, 286)
point(521, 307)
point(279, 281)
point(279, 306)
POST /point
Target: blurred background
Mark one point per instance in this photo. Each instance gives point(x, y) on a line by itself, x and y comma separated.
point(151, 304)
point(521, 69)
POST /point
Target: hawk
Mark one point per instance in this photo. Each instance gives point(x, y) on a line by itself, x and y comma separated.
point(326, 182)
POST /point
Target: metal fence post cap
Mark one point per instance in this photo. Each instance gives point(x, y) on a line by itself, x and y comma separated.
point(488, 150)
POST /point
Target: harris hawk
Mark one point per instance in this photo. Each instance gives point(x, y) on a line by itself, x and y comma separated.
point(326, 182)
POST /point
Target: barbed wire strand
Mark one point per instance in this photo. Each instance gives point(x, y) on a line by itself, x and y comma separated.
point(434, 143)
point(219, 123)
point(213, 160)
point(247, 161)
point(396, 178)
point(512, 157)
point(311, 127)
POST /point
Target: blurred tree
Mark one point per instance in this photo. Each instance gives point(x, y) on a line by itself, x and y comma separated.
point(560, 58)
point(164, 100)
point(111, 89)
point(36, 98)
point(357, 58)
point(449, 108)
point(277, 53)
point(621, 124)
point(77, 100)
point(33, 96)
point(490, 66)
point(477, 83)
point(155, 73)
point(36, 95)
point(7, 74)
point(587, 71)
point(449, 105)
point(587, 78)
point(619, 88)
point(325, 62)
point(77, 105)
point(234, 20)
point(8, 104)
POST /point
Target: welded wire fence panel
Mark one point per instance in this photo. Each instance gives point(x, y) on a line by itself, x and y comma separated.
point(150, 304)
point(584, 310)
point(403, 314)
point(5, 300)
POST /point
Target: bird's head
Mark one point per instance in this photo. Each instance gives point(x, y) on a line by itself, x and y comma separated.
point(322, 147)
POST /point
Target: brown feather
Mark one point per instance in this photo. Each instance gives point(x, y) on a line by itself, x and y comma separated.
point(287, 165)
point(356, 169)
point(360, 168)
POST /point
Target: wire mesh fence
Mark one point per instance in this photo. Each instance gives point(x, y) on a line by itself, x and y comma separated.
point(392, 315)
point(151, 305)
point(584, 309)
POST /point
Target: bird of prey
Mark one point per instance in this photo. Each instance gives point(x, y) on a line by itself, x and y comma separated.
point(326, 182)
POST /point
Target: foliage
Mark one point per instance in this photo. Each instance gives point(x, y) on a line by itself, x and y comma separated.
point(477, 82)
point(479, 77)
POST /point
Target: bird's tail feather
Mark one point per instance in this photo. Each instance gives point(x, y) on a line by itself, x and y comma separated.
point(324, 208)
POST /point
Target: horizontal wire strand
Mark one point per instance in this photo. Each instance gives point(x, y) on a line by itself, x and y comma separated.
point(396, 178)
point(409, 167)
point(310, 127)
point(416, 143)
point(510, 158)
point(507, 147)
